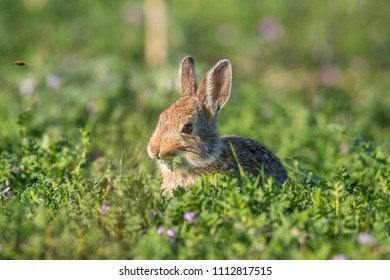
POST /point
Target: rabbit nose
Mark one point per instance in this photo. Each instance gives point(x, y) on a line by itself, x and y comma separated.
point(154, 151)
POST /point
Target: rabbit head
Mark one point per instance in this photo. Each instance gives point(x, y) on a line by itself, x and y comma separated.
point(186, 137)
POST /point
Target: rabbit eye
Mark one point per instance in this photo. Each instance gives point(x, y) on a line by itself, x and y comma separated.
point(187, 128)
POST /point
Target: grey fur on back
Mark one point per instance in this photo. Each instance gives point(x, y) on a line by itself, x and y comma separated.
point(253, 157)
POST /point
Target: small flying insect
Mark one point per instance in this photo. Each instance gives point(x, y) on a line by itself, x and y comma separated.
point(21, 63)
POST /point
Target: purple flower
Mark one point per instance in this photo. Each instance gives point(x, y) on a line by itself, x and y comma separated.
point(189, 217)
point(53, 81)
point(22, 246)
point(339, 257)
point(132, 13)
point(92, 107)
point(154, 214)
point(15, 169)
point(105, 208)
point(270, 29)
point(365, 238)
point(27, 87)
point(7, 192)
point(160, 230)
point(330, 75)
point(171, 233)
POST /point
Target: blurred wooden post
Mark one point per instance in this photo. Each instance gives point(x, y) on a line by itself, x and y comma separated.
point(156, 48)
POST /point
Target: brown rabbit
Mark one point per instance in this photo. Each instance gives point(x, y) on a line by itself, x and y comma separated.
point(186, 142)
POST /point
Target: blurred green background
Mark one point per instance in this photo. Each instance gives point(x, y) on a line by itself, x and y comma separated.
point(111, 67)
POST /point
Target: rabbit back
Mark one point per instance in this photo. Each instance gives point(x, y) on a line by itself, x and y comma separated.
point(252, 156)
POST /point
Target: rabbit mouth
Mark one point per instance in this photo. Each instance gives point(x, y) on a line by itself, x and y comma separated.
point(172, 162)
point(183, 159)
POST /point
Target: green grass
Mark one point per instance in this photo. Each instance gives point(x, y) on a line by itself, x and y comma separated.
point(57, 212)
point(75, 178)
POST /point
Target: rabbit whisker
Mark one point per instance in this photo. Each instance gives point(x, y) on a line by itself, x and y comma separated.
point(186, 149)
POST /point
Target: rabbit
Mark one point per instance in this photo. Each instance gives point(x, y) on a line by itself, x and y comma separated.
point(186, 143)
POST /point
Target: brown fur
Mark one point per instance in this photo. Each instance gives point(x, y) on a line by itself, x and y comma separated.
point(183, 157)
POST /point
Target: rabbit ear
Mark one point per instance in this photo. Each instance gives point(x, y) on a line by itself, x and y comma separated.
point(188, 84)
point(214, 90)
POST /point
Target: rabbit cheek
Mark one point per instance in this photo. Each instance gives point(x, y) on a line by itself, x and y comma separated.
point(192, 155)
